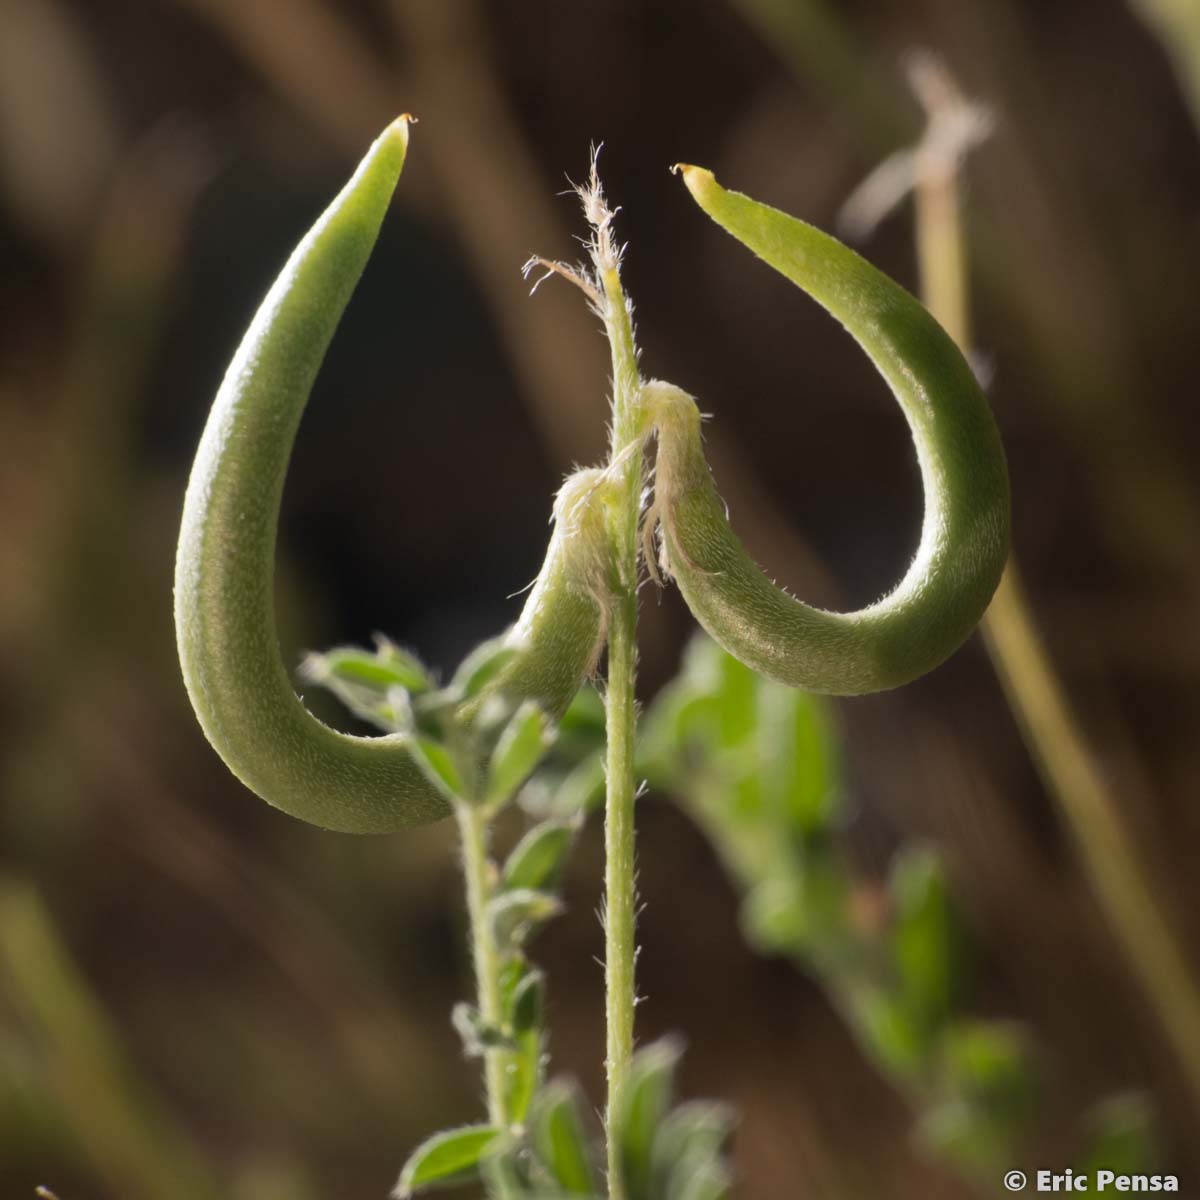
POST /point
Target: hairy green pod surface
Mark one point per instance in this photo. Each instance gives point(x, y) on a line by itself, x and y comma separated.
point(964, 538)
point(224, 602)
point(563, 623)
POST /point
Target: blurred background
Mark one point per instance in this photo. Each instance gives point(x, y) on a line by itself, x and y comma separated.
point(269, 1002)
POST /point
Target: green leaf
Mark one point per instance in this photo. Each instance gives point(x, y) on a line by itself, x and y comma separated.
point(757, 760)
point(559, 1138)
point(524, 1068)
point(383, 704)
point(537, 859)
point(525, 740)
point(559, 796)
point(962, 1134)
point(504, 1178)
point(803, 910)
point(738, 695)
point(1123, 1137)
point(376, 687)
point(513, 969)
point(516, 914)
point(528, 999)
point(672, 730)
point(709, 706)
point(644, 1102)
point(439, 767)
point(704, 1179)
point(585, 717)
point(508, 1177)
point(798, 760)
point(404, 668)
point(482, 665)
point(447, 1158)
point(991, 1063)
point(692, 1135)
point(887, 1033)
point(926, 935)
point(387, 667)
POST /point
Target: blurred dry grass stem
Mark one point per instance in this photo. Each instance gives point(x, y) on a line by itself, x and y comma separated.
point(1177, 25)
point(58, 133)
point(954, 126)
point(127, 1130)
point(1092, 810)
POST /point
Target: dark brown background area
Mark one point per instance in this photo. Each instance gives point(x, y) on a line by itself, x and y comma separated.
point(286, 992)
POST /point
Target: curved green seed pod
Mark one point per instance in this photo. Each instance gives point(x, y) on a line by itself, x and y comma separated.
point(964, 539)
point(224, 610)
point(561, 629)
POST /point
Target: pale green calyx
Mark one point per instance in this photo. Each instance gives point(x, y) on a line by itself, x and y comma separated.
point(964, 539)
point(224, 604)
point(560, 632)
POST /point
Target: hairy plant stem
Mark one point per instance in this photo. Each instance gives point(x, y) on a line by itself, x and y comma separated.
point(1051, 729)
point(620, 884)
point(473, 832)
